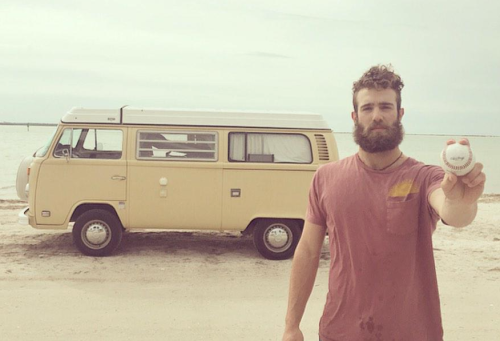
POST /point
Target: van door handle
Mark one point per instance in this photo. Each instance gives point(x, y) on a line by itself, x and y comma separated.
point(118, 177)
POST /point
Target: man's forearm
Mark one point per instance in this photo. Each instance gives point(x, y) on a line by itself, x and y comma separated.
point(304, 270)
point(456, 214)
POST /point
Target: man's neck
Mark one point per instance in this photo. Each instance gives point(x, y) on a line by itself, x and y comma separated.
point(382, 160)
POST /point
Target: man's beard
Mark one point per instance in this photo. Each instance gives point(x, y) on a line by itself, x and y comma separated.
point(375, 142)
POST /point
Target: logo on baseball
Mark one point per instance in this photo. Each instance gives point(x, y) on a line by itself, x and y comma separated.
point(457, 159)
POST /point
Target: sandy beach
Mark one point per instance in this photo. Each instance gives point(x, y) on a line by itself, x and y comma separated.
point(208, 286)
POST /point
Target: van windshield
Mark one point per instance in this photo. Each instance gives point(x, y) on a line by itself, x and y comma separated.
point(43, 151)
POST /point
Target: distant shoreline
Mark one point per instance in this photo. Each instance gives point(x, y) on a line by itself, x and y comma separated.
point(335, 132)
point(30, 124)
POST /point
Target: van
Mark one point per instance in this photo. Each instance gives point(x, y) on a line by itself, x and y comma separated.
point(108, 171)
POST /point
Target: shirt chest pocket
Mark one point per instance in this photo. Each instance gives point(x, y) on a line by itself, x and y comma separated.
point(402, 216)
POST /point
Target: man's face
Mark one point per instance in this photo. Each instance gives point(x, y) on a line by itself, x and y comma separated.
point(377, 126)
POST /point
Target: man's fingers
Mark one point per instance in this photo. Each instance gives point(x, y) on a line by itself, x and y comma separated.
point(474, 173)
point(478, 180)
point(464, 141)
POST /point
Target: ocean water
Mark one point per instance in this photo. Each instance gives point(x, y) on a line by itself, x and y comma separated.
point(18, 142)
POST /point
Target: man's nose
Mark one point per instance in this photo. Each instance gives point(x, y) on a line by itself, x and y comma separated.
point(377, 115)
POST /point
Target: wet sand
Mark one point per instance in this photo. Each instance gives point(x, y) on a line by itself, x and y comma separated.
point(208, 286)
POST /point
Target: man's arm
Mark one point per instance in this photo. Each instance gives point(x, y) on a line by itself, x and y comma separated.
point(453, 214)
point(456, 200)
point(304, 268)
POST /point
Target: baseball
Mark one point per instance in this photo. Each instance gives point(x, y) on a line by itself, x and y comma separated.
point(457, 159)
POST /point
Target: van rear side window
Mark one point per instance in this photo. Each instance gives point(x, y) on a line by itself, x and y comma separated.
point(177, 146)
point(269, 148)
point(81, 143)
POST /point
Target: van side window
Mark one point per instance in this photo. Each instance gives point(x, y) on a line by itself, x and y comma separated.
point(177, 145)
point(269, 148)
point(90, 143)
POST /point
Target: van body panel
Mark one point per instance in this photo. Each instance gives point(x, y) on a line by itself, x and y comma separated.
point(190, 199)
point(80, 181)
point(33, 182)
point(263, 193)
point(119, 207)
point(50, 227)
point(22, 177)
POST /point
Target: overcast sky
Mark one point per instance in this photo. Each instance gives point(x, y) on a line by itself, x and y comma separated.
point(286, 55)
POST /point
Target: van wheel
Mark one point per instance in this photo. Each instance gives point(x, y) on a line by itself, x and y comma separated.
point(276, 239)
point(97, 233)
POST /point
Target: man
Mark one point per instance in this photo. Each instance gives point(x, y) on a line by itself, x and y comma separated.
point(380, 208)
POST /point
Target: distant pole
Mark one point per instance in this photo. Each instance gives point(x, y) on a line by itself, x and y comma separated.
point(28, 125)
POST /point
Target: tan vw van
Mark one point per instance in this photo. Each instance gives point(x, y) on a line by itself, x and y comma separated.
point(110, 170)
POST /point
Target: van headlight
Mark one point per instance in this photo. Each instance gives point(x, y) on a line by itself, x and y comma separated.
point(27, 190)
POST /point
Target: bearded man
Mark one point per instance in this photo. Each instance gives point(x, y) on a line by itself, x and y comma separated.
point(380, 208)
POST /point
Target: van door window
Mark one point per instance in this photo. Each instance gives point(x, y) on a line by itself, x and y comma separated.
point(269, 148)
point(91, 143)
point(178, 145)
point(68, 140)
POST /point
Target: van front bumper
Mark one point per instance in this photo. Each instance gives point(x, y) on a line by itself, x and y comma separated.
point(22, 217)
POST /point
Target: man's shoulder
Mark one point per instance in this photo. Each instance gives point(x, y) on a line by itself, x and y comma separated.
point(419, 166)
point(426, 174)
point(336, 170)
point(337, 165)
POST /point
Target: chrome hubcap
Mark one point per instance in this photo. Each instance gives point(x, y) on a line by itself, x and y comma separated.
point(96, 235)
point(278, 237)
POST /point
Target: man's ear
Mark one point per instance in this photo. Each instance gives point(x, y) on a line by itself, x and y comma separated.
point(354, 116)
point(401, 113)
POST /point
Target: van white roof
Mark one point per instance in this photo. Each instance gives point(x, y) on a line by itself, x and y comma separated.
point(128, 115)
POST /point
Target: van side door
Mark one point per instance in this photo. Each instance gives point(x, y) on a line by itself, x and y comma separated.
point(87, 164)
point(175, 178)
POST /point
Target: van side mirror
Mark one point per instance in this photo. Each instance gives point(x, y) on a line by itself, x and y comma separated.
point(65, 153)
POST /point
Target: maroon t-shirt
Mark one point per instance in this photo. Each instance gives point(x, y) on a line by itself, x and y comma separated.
point(382, 283)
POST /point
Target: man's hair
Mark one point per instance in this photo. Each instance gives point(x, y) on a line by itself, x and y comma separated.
point(378, 77)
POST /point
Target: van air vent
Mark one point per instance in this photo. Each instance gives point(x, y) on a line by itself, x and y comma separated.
point(322, 147)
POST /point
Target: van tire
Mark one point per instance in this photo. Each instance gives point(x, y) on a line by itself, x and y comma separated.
point(97, 233)
point(276, 239)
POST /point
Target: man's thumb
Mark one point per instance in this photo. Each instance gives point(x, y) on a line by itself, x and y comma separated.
point(448, 182)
